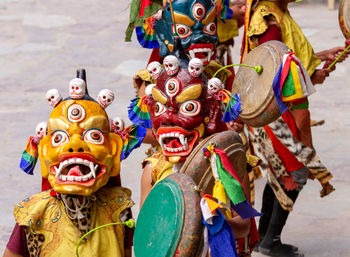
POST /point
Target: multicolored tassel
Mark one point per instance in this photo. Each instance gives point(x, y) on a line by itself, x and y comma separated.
point(233, 105)
point(292, 82)
point(225, 175)
point(133, 139)
point(29, 156)
point(226, 12)
point(139, 112)
point(146, 34)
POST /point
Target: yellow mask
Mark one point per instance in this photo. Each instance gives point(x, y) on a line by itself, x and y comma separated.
point(79, 153)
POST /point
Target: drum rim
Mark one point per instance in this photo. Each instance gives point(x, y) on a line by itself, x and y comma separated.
point(342, 22)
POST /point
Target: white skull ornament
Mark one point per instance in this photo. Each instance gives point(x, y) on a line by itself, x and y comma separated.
point(214, 85)
point(171, 64)
point(195, 67)
point(117, 125)
point(77, 88)
point(148, 90)
point(53, 97)
point(41, 130)
point(105, 98)
point(154, 68)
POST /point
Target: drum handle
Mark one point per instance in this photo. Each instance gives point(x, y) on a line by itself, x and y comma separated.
point(347, 42)
point(130, 223)
point(257, 68)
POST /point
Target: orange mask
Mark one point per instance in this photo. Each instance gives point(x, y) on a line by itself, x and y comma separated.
point(79, 153)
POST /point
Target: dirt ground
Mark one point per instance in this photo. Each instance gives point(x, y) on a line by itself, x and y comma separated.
point(42, 43)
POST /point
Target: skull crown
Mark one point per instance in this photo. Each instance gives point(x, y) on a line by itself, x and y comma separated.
point(171, 64)
point(195, 67)
point(41, 130)
point(154, 69)
point(214, 85)
point(77, 88)
point(105, 98)
point(53, 97)
point(117, 124)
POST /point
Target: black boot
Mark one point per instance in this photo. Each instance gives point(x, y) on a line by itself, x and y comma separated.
point(271, 244)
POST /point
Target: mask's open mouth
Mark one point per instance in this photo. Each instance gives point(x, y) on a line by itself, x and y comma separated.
point(201, 51)
point(77, 169)
point(175, 141)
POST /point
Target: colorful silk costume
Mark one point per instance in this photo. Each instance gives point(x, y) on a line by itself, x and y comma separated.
point(285, 150)
point(184, 110)
point(79, 154)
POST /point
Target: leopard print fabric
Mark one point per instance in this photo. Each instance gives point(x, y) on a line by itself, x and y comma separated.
point(77, 209)
point(34, 242)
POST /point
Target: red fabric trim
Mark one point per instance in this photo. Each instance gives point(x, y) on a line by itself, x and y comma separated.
point(253, 234)
point(144, 4)
point(289, 120)
point(155, 56)
point(272, 33)
point(289, 161)
point(45, 185)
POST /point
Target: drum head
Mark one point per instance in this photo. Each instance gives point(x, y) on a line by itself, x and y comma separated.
point(170, 220)
point(344, 17)
point(256, 89)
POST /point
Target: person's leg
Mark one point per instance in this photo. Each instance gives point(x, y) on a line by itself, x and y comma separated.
point(266, 211)
point(271, 244)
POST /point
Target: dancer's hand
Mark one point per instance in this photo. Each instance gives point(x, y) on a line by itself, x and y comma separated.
point(238, 11)
point(319, 76)
point(235, 125)
point(333, 53)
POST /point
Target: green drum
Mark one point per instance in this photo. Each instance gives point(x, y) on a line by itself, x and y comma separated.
point(169, 222)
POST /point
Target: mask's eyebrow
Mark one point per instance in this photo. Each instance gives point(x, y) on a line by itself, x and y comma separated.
point(210, 17)
point(192, 92)
point(183, 19)
point(54, 124)
point(158, 96)
point(99, 122)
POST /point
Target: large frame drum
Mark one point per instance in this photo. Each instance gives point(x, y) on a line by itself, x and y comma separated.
point(170, 221)
point(258, 99)
point(344, 17)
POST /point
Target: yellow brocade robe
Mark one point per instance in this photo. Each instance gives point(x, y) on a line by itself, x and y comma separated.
point(161, 168)
point(292, 35)
point(46, 215)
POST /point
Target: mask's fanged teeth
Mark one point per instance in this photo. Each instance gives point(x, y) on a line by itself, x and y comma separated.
point(78, 178)
point(58, 171)
point(160, 140)
point(182, 139)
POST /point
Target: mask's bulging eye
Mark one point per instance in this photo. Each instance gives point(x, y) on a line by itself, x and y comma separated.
point(190, 108)
point(94, 136)
point(210, 29)
point(159, 109)
point(182, 30)
point(59, 137)
point(198, 11)
point(172, 86)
